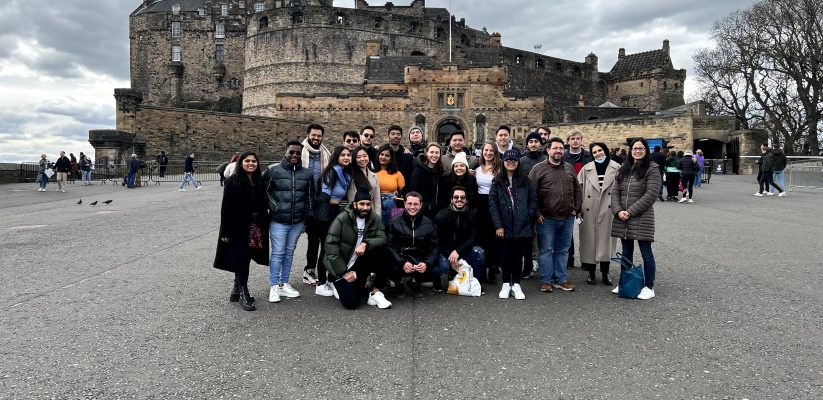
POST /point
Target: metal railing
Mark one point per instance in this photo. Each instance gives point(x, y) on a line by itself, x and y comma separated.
point(804, 172)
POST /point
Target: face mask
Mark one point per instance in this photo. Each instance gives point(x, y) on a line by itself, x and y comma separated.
point(601, 161)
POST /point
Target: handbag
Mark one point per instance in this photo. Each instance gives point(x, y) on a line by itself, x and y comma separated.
point(464, 283)
point(255, 237)
point(49, 172)
point(632, 277)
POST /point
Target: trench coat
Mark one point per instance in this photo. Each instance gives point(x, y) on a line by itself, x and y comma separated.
point(242, 205)
point(596, 241)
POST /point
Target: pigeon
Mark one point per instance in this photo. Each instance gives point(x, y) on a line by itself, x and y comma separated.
point(93, 203)
point(80, 201)
point(108, 201)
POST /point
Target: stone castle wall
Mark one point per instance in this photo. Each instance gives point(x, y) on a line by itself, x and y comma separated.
point(648, 92)
point(677, 131)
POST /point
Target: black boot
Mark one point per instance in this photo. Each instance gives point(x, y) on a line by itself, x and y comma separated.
point(246, 301)
point(590, 269)
point(492, 273)
point(570, 263)
point(235, 292)
point(604, 271)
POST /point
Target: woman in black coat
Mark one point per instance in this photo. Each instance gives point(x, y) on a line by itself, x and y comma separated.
point(513, 210)
point(244, 224)
point(426, 177)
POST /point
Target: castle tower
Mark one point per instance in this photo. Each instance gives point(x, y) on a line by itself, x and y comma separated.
point(646, 80)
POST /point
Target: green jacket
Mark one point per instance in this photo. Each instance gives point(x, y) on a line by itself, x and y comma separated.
point(342, 238)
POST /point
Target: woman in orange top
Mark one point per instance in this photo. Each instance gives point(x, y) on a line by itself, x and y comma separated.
point(391, 181)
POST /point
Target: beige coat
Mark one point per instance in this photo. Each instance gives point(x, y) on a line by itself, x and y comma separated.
point(596, 242)
point(376, 204)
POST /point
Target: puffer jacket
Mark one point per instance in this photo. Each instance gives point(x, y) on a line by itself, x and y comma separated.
point(687, 166)
point(558, 192)
point(637, 196)
point(532, 158)
point(290, 190)
point(413, 240)
point(515, 214)
point(342, 237)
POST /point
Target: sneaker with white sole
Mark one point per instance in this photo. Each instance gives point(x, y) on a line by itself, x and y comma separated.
point(683, 200)
point(310, 277)
point(616, 289)
point(691, 201)
point(274, 294)
point(769, 193)
point(518, 292)
point(324, 290)
point(646, 294)
point(379, 300)
point(198, 188)
point(181, 190)
point(782, 194)
point(504, 291)
point(759, 194)
point(287, 291)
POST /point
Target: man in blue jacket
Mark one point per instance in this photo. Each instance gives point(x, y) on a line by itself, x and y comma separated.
point(290, 191)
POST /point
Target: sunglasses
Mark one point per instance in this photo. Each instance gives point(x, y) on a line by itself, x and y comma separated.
point(352, 140)
point(368, 135)
point(459, 197)
point(294, 153)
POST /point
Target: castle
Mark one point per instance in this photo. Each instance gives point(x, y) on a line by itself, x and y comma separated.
point(276, 64)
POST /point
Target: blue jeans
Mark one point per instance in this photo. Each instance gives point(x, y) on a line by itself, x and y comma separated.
point(86, 177)
point(42, 179)
point(189, 177)
point(132, 178)
point(553, 240)
point(778, 179)
point(283, 242)
point(649, 267)
point(476, 259)
point(698, 178)
point(387, 204)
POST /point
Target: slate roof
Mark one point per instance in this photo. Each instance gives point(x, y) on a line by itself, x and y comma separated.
point(641, 62)
point(392, 69)
point(482, 56)
point(164, 6)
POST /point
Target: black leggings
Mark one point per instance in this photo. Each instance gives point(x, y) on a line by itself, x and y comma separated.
point(512, 252)
point(672, 181)
point(688, 182)
point(313, 237)
point(767, 179)
point(242, 275)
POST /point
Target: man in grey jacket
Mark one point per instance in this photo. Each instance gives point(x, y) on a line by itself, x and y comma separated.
point(290, 191)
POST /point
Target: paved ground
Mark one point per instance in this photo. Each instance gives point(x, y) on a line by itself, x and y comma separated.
point(121, 301)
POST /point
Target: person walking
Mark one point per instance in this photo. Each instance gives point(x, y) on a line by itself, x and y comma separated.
point(62, 167)
point(513, 209)
point(244, 227)
point(290, 190)
point(75, 174)
point(133, 165)
point(779, 164)
point(315, 158)
point(688, 172)
point(701, 163)
point(597, 179)
point(84, 163)
point(672, 176)
point(390, 179)
point(632, 201)
point(42, 178)
point(765, 175)
point(426, 177)
point(331, 200)
point(490, 166)
point(188, 174)
point(163, 162)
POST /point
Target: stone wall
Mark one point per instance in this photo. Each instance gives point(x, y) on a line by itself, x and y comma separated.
point(651, 92)
point(677, 131)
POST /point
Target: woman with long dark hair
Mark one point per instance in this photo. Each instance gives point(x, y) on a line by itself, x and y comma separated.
point(244, 224)
point(426, 177)
point(513, 210)
point(489, 167)
point(390, 179)
point(335, 181)
point(362, 177)
point(632, 202)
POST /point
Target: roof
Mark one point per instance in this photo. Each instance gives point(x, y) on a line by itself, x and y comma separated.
point(641, 62)
point(164, 6)
point(393, 68)
point(608, 104)
point(483, 56)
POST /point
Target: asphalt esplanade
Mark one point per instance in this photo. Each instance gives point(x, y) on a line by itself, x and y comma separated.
point(121, 301)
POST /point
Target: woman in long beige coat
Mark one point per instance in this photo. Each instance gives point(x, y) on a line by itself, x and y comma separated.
point(596, 243)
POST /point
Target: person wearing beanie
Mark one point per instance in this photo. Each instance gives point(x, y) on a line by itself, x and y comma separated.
point(458, 174)
point(687, 165)
point(534, 155)
point(457, 145)
point(597, 182)
point(354, 249)
point(416, 141)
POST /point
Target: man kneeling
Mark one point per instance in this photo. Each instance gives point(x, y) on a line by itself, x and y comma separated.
point(412, 248)
point(354, 250)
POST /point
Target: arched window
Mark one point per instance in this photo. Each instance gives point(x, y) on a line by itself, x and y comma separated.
point(418, 53)
point(558, 67)
point(420, 120)
point(518, 59)
point(480, 129)
point(264, 23)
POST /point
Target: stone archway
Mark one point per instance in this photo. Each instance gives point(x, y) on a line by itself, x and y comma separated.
point(446, 126)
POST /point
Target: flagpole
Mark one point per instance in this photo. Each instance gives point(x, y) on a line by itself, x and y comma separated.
point(450, 31)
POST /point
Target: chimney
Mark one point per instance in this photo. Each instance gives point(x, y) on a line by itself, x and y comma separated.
point(621, 53)
point(666, 47)
point(495, 40)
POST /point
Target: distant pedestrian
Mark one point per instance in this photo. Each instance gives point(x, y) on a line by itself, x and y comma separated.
point(597, 180)
point(162, 161)
point(244, 227)
point(779, 163)
point(701, 162)
point(672, 176)
point(84, 163)
point(688, 171)
point(188, 174)
point(133, 165)
point(62, 167)
point(42, 178)
point(765, 176)
point(74, 170)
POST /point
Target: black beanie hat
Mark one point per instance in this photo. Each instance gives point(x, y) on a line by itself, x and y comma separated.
point(362, 194)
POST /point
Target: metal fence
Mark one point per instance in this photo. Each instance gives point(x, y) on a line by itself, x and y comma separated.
point(804, 172)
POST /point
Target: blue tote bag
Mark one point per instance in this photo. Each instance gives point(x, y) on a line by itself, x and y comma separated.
point(632, 278)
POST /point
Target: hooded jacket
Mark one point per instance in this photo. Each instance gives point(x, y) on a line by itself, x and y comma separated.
point(342, 238)
point(290, 191)
point(778, 159)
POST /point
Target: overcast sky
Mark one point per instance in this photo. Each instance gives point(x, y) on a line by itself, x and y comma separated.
point(60, 60)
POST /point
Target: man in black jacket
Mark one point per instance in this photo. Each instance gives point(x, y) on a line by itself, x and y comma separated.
point(412, 249)
point(290, 190)
point(457, 233)
point(779, 163)
point(162, 161)
point(61, 168)
point(188, 174)
point(534, 155)
point(402, 156)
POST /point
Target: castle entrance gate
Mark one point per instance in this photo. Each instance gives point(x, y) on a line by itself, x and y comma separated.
point(448, 125)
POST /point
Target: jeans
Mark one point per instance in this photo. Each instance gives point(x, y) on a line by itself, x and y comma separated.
point(778, 179)
point(698, 178)
point(649, 267)
point(86, 177)
point(283, 239)
point(766, 181)
point(132, 178)
point(476, 259)
point(42, 179)
point(387, 203)
point(189, 177)
point(553, 239)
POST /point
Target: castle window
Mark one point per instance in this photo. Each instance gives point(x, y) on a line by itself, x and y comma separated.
point(297, 18)
point(518, 59)
point(176, 53)
point(201, 11)
point(665, 85)
point(540, 64)
point(224, 10)
point(414, 27)
point(641, 84)
point(218, 53)
point(219, 31)
point(441, 33)
point(340, 19)
point(441, 100)
point(175, 9)
point(234, 83)
point(460, 100)
point(577, 72)
point(558, 68)
point(241, 4)
point(418, 53)
point(176, 30)
point(464, 39)
point(378, 23)
point(264, 23)
point(259, 6)
point(420, 120)
point(480, 129)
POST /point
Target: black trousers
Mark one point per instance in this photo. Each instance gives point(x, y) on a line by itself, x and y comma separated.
point(323, 230)
point(767, 179)
point(688, 183)
point(313, 237)
point(371, 262)
point(512, 252)
point(672, 183)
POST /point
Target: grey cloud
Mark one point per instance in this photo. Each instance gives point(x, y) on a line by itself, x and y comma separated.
point(88, 114)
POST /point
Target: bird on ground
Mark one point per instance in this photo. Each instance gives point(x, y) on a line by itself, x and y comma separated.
point(108, 201)
point(93, 203)
point(80, 201)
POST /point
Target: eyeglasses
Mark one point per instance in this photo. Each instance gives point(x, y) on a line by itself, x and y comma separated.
point(638, 149)
point(459, 197)
point(352, 140)
point(294, 153)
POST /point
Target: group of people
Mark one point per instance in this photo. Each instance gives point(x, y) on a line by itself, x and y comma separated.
point(396, 217)
point(770, 168)
point(63, 168)
point(680, 172)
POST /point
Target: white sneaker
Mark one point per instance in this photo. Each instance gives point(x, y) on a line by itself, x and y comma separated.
point(64, 190)
point(379, 300)
point(334, 290)
point(782, 194)
point(769, 193)
point(683, 200)
point(518, 292)
point(535, 267)
point(181, 190)
point(616, 289)
point(287, 291)
point(504, 291)
point(691, 201)
point(198, 188)
point(759, 194)
point(646, 294)
point(310, 277)
point(274, 295)
point(324, 290)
